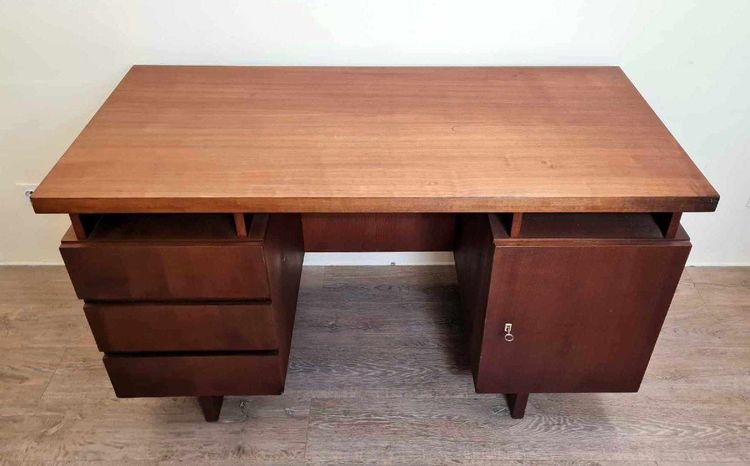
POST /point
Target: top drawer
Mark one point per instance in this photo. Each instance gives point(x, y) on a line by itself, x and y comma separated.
point(167, 257)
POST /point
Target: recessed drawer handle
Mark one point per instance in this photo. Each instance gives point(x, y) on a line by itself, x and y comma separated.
point(508, 335)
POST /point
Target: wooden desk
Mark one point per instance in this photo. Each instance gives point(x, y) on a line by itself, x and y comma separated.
point(195, 191)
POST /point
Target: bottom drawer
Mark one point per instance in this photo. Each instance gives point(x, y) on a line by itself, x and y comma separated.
point(196, 374)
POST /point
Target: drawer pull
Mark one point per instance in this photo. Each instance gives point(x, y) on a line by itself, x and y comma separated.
point(508, 335)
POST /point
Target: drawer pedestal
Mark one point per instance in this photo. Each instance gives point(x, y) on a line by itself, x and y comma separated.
point(190, 305)
point(571, 303)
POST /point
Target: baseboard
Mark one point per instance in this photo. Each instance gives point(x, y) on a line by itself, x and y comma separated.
point(338, 258)
point(29, 263)
point(718, 264)
point(379, 258)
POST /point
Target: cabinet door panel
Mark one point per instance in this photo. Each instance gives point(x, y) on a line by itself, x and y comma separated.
point(584, 317)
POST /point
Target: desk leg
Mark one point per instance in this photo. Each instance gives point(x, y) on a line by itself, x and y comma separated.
point(517, 404)
point(211, 407)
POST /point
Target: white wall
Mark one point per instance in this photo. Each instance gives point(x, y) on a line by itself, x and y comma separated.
point(690, 59)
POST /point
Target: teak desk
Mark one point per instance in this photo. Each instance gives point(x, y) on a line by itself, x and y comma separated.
point(194, 193)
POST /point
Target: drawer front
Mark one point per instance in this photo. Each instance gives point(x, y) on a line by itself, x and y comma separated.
point(195, 375)
point(159, 272)
point(575, 318)
point(182, 327)
point(378, 232)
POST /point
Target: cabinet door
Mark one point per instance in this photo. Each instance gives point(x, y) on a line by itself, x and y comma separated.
point(584, 316)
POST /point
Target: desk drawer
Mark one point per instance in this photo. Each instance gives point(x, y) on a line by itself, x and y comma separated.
point(196, 374)
point(167, 257)
point(182, 327)
point(131, 271)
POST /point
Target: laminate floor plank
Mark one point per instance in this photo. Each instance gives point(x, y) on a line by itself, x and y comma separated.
point(46, 325)
point(25, 374)
point(722, 285)
point(385, 285)
point(378, 374)
point(588, 427)
point(713, 326)
point(254, 430)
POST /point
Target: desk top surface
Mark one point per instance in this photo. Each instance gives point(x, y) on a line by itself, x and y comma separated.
point(268, 139)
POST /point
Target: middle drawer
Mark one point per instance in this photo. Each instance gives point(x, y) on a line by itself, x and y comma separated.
point(182, 327)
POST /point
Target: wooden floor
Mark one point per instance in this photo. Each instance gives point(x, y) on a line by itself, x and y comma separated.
point(378, 374)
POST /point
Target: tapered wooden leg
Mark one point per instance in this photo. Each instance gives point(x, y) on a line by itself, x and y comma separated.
point(517, 404)
point(211, 407)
